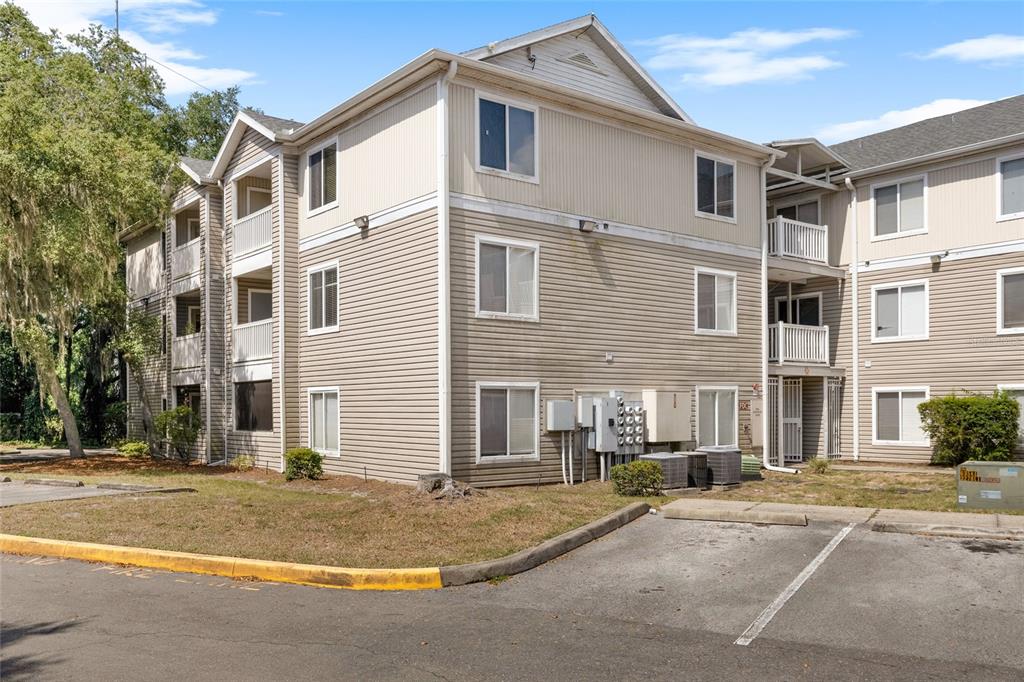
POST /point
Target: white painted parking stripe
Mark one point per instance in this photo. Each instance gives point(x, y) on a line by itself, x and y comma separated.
point(766, 616)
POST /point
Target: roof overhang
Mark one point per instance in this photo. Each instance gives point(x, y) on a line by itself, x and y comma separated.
point(238, 127)
point(937, 156)
point(807, 154)
point(194, 176)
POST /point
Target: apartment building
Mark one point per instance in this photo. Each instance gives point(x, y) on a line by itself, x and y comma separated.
point(406, 281)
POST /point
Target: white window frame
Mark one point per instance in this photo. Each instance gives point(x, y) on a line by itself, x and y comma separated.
point(188, 228)
point(1000, 216)
point(717, 158)
point(799, 297)
point(188, 319)
point(336, 141)
point(875, 237)
point(899, 285)
point(875, 390)
point(248, 298)
point(1014, 387)
point(502, 241)
point(736, 411)
point(248, 199)
point(490, 459)
point(1000, 274)
point(507, 102)
point(793, 201)
point(309, 298)
point(336, 390)
point(697, 271)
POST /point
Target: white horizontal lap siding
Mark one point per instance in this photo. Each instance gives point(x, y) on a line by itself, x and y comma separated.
point(606, 172)
point(384, 355)
point(963, 351)
point(598, 294)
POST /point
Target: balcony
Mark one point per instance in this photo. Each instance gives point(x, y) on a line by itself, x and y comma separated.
point(797, 343)
point(253, 341)
point(794, 239)
point(253, 232)
point(185, 259)
point(187, 351)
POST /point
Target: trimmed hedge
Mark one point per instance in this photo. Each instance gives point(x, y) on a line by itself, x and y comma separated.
point(303, 463)
point(971, 427)
point(637, 479)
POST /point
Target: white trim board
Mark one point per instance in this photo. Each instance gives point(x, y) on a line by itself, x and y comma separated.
point(952, 255)
point(377, 221)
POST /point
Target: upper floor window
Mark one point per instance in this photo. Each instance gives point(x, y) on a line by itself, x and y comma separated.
point(261, 305)
point(899, 208)
point(323, 177)
point(186, 228)
point(507, 421)
point(323, 298)
point(807, 212)
point(507, 137)
point(1010, 297)
point(716, 187)
point(716, 302)
point(1011, 188)
point(506, 280)
point(900, 311)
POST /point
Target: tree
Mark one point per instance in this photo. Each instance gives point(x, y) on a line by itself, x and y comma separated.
point(139, 342)
point(198, 128)
point(83, 155)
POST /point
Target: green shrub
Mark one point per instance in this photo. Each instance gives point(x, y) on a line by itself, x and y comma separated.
point(972, 426)
point(10, 426)
point(243, 462)
point(303, 463)
point(180, 428)
point(819, 465)
point(637, 479)
point(133, 448)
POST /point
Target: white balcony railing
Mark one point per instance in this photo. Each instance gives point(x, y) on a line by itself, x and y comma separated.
point(254, 341)
point(797, 343)
point(253, 232)
point(185, 259)
point(795, 239)
point(187, 351)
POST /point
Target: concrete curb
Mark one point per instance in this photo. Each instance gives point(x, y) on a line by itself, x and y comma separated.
point(53, 481)
point(948, 531)
point(737, 516)
point(544, 552)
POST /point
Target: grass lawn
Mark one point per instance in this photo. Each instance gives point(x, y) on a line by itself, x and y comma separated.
point(928, 491)
point(340, 521)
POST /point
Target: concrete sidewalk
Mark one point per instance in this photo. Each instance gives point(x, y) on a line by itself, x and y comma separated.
point(956, 524)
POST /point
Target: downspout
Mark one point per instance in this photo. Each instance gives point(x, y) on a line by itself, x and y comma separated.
point(856, 320)
point(444, 348)
point(208, 368)
point(226, 411)
point(282, 395)
point(765, 462)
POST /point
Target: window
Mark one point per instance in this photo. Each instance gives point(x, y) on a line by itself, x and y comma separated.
point(323, 299)
point(804, 309)
point(1016, 391)
point(256, 199)
point(806, 212)
point(163, 334)
point(323, 177)
point(323, 420)
point(716, 188)
point(716, 302)
point(507, 137)
point(186, 229)
point(899, 208)
point(1010, 301)
point(900, 312)
point(254, 407)
point(261, 305)
point(896, 419)
point(194, 320)
point(506, 278)
point(716, 416)
point(1010, 188)
point(507, 421)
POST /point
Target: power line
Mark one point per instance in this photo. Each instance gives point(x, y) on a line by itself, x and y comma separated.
point(179, 73)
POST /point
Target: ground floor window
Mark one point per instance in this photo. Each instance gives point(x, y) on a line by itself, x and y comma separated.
point(323, 420)
point(716, 416)
point(254, 406)
point(896, 418)
point(1016, 391)
point(507, 421)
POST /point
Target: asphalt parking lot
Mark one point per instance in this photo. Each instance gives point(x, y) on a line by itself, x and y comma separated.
point(658, 599)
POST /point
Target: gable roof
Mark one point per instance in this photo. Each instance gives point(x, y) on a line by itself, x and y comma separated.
point(275, 124)
point(606, 41)
point(271, 127)
point(197, 169)
point(989, 122)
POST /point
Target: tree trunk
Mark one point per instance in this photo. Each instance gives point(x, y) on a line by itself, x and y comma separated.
point(66, 415)
point(147, 414)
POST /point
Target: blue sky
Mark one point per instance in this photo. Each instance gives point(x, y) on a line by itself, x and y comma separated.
point(759, 70)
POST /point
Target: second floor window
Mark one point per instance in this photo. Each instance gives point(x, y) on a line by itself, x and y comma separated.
point(805, 213)
point(323, 299)
point(507, 138)
point(716, 187)
point(1011, 188)
point(899, 208)
point(716, 302)
point(900, 312)
point(1010, 293)
point(323, 177)
point(506, 279)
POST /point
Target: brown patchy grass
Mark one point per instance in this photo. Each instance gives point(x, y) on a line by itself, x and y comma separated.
point(341, 521)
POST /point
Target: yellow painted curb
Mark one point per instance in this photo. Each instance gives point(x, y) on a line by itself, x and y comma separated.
point(230, 567)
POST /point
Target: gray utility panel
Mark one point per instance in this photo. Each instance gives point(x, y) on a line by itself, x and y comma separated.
point(990, 485)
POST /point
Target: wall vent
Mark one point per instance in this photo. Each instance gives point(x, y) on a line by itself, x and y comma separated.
point(582, 60)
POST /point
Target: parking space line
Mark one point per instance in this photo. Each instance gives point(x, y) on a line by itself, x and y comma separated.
point(766, 616)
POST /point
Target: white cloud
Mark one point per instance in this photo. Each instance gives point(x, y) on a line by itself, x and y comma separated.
point(140, 18)
point(748, 56)
point(997, 48)
point(894, 119)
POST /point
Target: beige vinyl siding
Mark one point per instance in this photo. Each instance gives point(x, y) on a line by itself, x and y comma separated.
point(213, 316)
point(383, 160)
point(605, 172)
point(242, 287)
point(551, 65)
point(287, 278)
point(243, 185)
point(143, 269)
point(154, 378)
point(383, 358)
point(598, 295)
point(251, 148)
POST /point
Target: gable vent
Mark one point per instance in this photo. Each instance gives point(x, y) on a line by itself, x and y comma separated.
point(583, 60)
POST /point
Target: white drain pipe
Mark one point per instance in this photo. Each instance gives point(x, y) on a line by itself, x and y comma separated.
point(854, 297)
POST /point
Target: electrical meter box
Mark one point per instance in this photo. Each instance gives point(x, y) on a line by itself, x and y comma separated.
point(990, 485)
point(585, 412)
point(561, 416)
point(668, 416)
point(605, 421)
